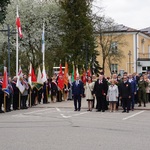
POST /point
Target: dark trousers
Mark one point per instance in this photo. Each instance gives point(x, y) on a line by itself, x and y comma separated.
point(45, 97)
point(8, 103)
point(33, 96)
point(23, 101)
point(15, 101)
point(39, 97)
point(59, 96)
point(1, 101)
point(126, 104)
point(132, 100)
point(101, 105)
point(77, 101)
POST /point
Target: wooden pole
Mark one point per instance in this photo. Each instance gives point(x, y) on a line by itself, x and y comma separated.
point(4, 103)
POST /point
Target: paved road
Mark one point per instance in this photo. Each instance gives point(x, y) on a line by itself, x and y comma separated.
point(58, 127)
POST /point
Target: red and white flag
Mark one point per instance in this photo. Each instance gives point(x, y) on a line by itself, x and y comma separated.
point(18, 24)
point(60, 79)
point(5, 79)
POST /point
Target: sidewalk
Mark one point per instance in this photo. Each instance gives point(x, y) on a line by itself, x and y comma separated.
point(84, 105)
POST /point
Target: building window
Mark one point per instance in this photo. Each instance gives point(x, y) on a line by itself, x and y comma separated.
point(144, 68)
point(114, 68)
point(114, 47)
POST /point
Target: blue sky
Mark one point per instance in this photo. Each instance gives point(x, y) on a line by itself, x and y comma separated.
point(132, 13)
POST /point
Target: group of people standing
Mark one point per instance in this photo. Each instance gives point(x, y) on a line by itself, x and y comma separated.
point(16, 100)
point(114, 92)
point(105, 92)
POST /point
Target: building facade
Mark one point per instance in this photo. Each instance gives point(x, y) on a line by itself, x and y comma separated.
point(136, 51)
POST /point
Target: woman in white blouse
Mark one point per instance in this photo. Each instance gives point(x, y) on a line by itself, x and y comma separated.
point(112, 95)
point(88, 93)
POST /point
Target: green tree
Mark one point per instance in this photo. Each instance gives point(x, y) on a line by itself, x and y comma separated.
point(32, 15)
point(3, 8)
point(78, 41)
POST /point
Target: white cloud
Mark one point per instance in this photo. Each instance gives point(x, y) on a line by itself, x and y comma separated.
point(132, 13)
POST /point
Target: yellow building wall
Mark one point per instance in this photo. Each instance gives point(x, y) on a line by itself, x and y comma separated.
point(124, 65)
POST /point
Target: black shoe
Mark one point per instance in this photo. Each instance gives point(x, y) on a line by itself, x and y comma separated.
point(144, 105)
point(75, 110)
point(103, 110)
point(88, 110)
point(78, 109)
point(98, 110)
point(127, 111)
point(123, 111)
point(139, 105)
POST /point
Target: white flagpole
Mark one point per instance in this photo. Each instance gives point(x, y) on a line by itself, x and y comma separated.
point(43, 44)
point(17, 46)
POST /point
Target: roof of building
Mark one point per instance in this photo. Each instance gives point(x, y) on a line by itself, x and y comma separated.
point(121, 27)
point(146, 31)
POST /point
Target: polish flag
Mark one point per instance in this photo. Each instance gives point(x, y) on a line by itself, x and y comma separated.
point(18, 24)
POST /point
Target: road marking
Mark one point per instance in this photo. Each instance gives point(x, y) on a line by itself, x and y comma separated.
point(58, 109)
point(32, 112)
point(80, 114)
point(64, 116)
point(133, 115)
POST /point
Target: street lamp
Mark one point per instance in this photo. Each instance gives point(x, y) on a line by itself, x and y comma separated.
point(129, 61)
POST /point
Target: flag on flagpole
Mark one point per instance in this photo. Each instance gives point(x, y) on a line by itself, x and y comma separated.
point(44, 76)
point(66, 74)
point(19, 79)
point(5, 82)
point(18, 24)
point(89, 74)
point(32, 80)
point(33, 76)
point(60, 79)
point(77, 71)
point(5, 79)
point(73, 69)
point(39, 83)
point(29, 76)
point(39, 76)
point(84, 76)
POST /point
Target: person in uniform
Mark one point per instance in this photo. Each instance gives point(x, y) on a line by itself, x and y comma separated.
point(142, 84)
point(24, 95)
point(15, 94)
point(54, 89)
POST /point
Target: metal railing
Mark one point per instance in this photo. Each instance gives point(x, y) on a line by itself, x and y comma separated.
point(143, 56)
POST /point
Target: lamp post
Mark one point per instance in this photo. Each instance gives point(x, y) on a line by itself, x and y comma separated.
point(129, 61)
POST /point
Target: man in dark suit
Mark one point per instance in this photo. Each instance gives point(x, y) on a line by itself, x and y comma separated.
point(77, 93)
point(100, 90)
point(125, 94)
